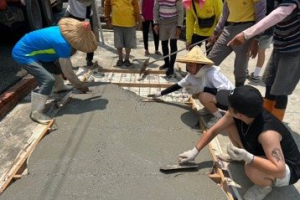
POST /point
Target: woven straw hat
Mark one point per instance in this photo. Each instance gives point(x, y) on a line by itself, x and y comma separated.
point(195, 56)
point(78, 34)
point(86, 2)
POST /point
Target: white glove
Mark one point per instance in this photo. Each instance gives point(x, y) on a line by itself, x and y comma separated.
point(239, 154)
point(188, 156)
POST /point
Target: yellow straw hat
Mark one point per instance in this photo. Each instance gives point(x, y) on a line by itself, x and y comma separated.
point(195, 56)
point(78, 34)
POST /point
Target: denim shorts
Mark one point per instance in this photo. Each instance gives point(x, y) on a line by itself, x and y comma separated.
point(265, 41)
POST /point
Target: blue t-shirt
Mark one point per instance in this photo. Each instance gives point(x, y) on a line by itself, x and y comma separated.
point(45, 45)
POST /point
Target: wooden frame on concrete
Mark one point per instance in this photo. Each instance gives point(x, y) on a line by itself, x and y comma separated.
point(20, 164)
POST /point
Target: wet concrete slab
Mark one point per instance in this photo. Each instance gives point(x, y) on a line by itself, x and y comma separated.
point(110, 145)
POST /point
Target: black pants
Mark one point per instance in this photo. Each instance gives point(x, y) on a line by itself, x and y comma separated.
point(198, 38)
point(146, 24)
point(169, 61)
point(89, 56)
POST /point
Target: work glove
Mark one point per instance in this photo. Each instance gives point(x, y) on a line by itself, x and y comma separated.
point(239, 154)
point(188, 156)
point(154, 96)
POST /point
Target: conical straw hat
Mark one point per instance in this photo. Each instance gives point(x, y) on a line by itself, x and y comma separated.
point(195, 56)
point(78, 34)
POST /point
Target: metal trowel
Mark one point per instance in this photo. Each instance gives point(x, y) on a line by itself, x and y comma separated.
point(180, 167)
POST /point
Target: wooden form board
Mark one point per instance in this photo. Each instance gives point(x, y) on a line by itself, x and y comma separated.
point(20, 164)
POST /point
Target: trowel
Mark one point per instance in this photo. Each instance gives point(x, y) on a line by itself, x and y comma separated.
point(179, 167)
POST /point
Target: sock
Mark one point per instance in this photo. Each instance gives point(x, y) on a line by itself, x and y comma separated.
point(256, 71)
point(217, 114)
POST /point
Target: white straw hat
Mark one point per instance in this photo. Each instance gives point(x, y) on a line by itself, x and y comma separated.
point(78, 34)
point(195, 56)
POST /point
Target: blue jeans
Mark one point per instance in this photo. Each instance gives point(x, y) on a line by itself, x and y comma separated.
point(43, 77)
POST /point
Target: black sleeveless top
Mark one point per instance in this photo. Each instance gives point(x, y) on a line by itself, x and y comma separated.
point(263, 122)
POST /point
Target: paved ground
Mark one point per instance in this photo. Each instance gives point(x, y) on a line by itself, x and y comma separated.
point(106, 57)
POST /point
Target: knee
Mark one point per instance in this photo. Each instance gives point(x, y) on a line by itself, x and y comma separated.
point(49, 81)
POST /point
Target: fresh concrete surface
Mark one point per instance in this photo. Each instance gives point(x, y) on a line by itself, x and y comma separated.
point(110, 145)
point(106, 56)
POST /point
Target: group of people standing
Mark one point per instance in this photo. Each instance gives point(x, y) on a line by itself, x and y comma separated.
point(253, 123)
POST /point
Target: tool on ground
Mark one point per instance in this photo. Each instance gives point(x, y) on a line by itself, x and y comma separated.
point(177, 167)
point(147, 63)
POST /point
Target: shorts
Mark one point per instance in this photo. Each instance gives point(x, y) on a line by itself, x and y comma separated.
point(283, 181)
point(282, 72)
point(124, 37)
point(265, 41)
point(167, 29)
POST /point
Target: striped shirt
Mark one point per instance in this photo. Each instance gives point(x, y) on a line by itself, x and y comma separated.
point(167, 9)
point(286, 33)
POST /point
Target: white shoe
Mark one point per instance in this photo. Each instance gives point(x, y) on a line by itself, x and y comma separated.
point(203, 111)
point(212, 122)
point(257, 193)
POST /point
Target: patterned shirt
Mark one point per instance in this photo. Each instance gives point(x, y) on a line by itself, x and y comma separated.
point(286, 32)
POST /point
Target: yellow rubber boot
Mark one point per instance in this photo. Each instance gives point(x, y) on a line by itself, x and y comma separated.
point(279, 113)
point(269, 104)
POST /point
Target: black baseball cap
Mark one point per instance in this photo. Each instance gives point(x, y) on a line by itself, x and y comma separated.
point(245, 99)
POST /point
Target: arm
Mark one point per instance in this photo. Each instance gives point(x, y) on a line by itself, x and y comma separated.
point(66, 67)
point(273, 18)
point(270, 20)
point(156, 12)
point(221, 23)
point(218, 9)
point(207, 136)
point(107, 10)
point(179, 9)
point(211, 133)
point(274, 163)
point(260, 9)
point(136, 10)
point(170, 89)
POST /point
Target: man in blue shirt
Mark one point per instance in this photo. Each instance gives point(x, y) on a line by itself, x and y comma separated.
point(38, 51)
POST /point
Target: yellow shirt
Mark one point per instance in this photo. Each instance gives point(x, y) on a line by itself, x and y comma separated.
point(124, 13)
point(210, 8)
point(242, 10)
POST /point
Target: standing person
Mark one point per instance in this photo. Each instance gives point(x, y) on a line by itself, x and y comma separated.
point(125, 17)
point(81, 10)
point(272, 158)
point(237, 16)
point(201, 20)
point(147, 20)
point(264, 43)
point(168, 20)
point(203, 80)
point(38, 51)
point(282, 73)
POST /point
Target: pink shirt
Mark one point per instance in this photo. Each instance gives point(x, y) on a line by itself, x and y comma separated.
point(147, 9)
